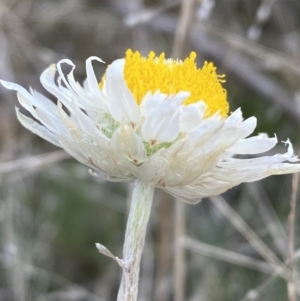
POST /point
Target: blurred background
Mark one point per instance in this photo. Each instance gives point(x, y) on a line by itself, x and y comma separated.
point(239, 246)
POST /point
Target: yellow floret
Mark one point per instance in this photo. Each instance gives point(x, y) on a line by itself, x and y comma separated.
point(172, 76)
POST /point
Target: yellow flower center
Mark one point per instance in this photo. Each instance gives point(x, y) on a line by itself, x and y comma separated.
point(172, 76)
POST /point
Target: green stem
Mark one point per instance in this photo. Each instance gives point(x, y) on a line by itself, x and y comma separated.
point(140, 208)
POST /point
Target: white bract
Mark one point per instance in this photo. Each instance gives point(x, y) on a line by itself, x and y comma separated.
point(153, 136)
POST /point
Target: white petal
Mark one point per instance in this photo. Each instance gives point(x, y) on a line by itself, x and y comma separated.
point(151, 102)
point(183, 194)
point(36, 99)
point(153, 170)
point(47, 79)
point(257, 172)
point(49, 119)
point(232, 131)
point(69, 123)
point(64, 95)
point(129, 145)
point(183, 172)
point(247, 127)
point(162, 123)
point(253, 145)
point(92, 97)
point(67, 96)
point(97, 97)
point(191, 116)
point(55, 126)
point(105, 177)
point(87, 125)
point(26, 104)
point(207, 129)
point(37, 129)
point(290, 147)
point(122, 105)
point(72, 148)
point(45, 104)
point(235, 118)
point(254, 163)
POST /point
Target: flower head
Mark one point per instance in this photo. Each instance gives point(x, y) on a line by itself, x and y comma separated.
point(162, 121)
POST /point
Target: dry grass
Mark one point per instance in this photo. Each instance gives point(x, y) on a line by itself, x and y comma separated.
point(240, 246)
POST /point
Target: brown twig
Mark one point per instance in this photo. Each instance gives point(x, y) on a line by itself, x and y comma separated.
point(33, 162)
point(291, 222)
point(248, 233)
point(269, 216)
point(184, 23)
point(179, 267)
point(164, 243)
point(227, 255)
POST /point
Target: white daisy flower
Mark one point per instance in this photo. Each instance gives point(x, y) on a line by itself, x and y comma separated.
point(161, 121)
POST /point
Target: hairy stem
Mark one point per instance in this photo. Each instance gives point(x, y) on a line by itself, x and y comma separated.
point(139, 213)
